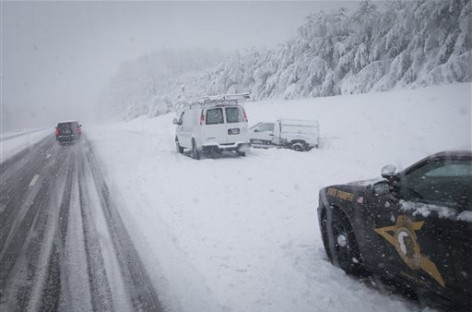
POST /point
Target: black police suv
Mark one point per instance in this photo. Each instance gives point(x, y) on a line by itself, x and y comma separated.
point(68, 132)
point(412, 228)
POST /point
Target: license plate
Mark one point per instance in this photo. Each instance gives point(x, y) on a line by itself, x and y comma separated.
point(234, 131)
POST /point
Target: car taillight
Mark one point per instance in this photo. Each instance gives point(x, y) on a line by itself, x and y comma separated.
point(57, 132)
point(202, 118)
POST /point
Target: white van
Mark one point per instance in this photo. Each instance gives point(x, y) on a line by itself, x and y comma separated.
point(296, 134)
point(213, 124)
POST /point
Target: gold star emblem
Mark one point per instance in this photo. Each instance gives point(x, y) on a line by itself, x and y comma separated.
point(403, 237)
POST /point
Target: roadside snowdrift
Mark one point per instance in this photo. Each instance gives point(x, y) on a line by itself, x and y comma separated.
point(14, 142)
point(241, 234)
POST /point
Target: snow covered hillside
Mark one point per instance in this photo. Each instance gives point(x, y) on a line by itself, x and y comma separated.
point(406, 44)
point(241, 233)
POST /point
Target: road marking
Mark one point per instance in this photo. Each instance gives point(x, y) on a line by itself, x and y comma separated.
point(34, 180)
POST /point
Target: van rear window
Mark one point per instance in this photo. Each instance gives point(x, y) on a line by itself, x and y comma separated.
point(214, 116)
point(68, 125)
point(234, 114)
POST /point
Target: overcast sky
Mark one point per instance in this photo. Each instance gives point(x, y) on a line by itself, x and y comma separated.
point(57, 56)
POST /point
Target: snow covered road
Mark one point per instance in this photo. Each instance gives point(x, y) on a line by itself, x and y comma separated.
point(63, 246)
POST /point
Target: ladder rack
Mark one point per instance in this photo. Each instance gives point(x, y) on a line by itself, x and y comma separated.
point(211, 100)
point(218, 100)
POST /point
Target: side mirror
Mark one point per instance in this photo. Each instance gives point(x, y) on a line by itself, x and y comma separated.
point(388, 171)
point(393, 180)
point(175, 121)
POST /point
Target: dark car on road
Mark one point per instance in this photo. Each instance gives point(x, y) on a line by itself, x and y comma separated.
point(68, 132)
point(412, 228)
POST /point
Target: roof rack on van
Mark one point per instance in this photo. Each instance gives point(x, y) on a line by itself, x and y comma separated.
point(221, 99)
point(233, 96)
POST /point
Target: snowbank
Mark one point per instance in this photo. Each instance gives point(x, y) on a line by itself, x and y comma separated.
point(12, 143)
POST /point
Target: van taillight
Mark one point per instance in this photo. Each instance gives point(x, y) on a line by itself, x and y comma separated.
point(245, 116)
point(202, 118)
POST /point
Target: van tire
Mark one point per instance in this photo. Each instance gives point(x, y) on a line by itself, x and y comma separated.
point(241, 153)
point(195, 152)
point(298, 146)
point(179, 148)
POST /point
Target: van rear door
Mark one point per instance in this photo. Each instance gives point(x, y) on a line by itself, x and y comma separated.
point(214, 131)
point(236, 125)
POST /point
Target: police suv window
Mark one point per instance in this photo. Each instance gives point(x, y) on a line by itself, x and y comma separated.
point(234, 114)
point(452, 170)
point(445, 182)
point(214, 116)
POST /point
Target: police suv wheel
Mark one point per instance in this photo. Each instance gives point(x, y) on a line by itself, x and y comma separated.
point(342, 243)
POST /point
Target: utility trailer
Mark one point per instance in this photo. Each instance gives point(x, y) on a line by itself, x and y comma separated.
point(296, 134)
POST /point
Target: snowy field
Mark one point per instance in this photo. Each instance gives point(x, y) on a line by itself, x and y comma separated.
point(241, 234)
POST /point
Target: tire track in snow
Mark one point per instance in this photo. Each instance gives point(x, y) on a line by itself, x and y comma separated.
point(46, 289)
point(15, 176)
point(100, 290)
point(26, 249)
point(137, 283)
point(74, 283)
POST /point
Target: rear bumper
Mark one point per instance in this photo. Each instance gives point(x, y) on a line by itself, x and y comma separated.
point(238, 146)
point(66, 138)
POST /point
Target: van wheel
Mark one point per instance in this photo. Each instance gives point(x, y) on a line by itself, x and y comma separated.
point(298, 146)
point(241, 153)
point(179, 148)
point(195, 152)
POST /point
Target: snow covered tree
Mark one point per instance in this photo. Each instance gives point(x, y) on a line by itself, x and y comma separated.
point(409, 44)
